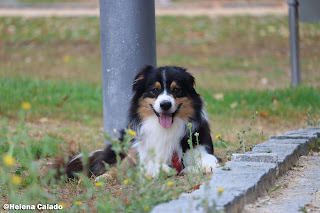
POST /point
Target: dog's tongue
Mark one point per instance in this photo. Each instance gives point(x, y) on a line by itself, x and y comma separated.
point(165, 120)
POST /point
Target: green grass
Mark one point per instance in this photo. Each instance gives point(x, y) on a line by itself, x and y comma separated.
point(72, 101)
point(222, 52)
point(174, 30)
point(79, 100)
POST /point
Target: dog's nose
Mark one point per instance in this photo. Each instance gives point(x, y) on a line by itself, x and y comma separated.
point(165, 105)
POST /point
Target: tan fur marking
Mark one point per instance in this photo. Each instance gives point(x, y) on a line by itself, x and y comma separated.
point(138, 79)
point(173, 85)
point(144, 107)
point(157, 85)
point(186, 110)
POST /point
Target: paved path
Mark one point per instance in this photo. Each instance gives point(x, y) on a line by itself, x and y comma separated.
point(211, 12)
point(300, 190)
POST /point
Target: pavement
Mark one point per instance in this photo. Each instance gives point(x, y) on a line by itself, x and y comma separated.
point(254, 174)
point(296, 191)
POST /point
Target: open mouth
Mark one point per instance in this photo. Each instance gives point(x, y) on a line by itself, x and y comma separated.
point(166, 119)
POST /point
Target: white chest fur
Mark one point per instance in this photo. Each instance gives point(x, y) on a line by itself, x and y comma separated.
point(157, 144)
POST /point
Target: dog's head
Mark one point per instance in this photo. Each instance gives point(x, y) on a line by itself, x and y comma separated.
point(166, 92)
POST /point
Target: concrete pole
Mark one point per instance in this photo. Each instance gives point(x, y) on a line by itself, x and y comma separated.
point(128, 42)
point(294, 42)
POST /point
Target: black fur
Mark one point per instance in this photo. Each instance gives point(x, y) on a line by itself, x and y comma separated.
point(186, 80)
point(143, 87)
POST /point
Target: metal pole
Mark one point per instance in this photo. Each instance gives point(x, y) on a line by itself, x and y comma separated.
point(128, 42)
point(294, 42)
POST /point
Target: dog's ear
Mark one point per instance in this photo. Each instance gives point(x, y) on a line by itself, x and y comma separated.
point(140, 79)
point(188, 79)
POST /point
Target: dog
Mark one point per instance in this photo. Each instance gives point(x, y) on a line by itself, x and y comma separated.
point(165, 110)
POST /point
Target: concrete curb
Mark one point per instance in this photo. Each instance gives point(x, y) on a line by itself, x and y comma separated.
point(247, 176)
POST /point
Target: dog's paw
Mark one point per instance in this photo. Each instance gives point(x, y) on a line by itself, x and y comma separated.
point(209, 163)
point(208, 168)
point(155, 170)
point(103, 178)
point(107, 176)
point(189, 170)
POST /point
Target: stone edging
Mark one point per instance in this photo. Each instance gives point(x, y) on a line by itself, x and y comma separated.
point(250, 175)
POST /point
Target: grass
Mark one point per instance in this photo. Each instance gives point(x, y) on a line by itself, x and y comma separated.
point(241, 65)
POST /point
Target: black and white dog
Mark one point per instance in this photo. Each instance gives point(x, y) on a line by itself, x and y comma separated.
point(163, 104)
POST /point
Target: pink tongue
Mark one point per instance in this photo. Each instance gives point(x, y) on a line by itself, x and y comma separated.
point(165, 120)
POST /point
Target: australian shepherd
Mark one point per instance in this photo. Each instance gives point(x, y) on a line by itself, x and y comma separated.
point(164, 107)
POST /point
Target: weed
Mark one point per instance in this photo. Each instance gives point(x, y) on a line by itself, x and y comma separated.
point(275, 189)
point(315, 145)
point(226, 169)
point(303, 209)
point(23, 180)
point(312, 119)
point(242, 137)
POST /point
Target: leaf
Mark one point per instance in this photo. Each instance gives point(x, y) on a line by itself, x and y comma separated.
point(264, 114)
point(233, 105)
point(196, 187)
point(65, 97)
point(275, 189)
point(218, 96)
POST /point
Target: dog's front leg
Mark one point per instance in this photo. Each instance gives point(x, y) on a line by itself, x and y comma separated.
point(199, 159)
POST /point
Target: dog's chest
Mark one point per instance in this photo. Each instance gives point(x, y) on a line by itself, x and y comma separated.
point(158, 143)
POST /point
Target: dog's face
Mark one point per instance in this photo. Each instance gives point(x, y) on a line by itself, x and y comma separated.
point(165, 92)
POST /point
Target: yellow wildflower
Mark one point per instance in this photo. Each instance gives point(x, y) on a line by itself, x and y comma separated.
point(257, 112)
point(220, 190)
point(78, 203)
point(8, 160)
point(66, 59)
point(98, 184)
point(126, 181)
point(131, 132)
point(62, 204)
point(149, 177)
point(170, 183)
point(146, 208)
point(16, 179)
point(218, 136)
point(26, 105)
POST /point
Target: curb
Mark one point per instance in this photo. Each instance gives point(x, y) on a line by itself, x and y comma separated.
point(248, 176)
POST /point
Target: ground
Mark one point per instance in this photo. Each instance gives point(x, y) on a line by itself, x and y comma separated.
point(296, 191)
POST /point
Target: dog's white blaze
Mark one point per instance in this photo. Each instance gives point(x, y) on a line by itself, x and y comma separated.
point(164, 97)
point(156, 144)
point(200, 158)
point(164, 79)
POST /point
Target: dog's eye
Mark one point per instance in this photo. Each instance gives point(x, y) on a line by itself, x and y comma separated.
point(154, 91)
point(176, 90)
